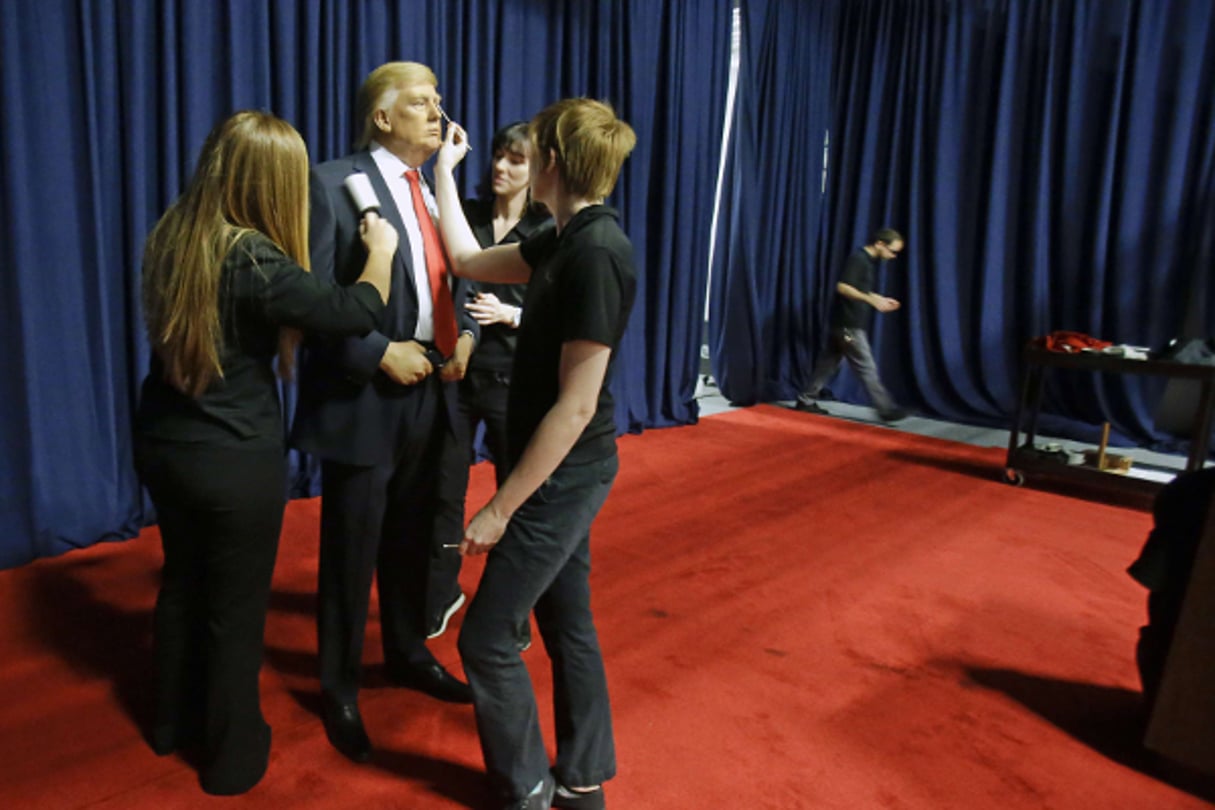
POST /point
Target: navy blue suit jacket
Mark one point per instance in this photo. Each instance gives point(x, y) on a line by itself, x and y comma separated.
point(349, 410)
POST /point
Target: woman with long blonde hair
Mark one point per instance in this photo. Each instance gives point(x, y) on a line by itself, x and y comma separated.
point(225, 292)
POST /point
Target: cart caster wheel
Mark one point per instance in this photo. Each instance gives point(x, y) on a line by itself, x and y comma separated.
point(1013, 477)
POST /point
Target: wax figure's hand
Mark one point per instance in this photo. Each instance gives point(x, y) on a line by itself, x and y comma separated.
point(454, 148)
point(484, 531)
point(457, 365)
point(883, 304)
point(378, 233)
point(405, 362)
point(487, 309)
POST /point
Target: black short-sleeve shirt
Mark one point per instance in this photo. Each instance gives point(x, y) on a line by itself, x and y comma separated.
point(859, 272)
point(582, 288)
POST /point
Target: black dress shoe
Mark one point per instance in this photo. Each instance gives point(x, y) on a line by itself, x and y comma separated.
point(344, 728)
point(434, 681)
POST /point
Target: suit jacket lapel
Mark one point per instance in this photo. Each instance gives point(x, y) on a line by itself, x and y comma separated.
point(388, 209)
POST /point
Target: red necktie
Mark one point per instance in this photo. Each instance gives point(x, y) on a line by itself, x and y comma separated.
point(436, 271)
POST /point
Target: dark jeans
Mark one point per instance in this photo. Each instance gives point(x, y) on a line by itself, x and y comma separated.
point(220, 510)
point(543, 562)
point(851, 345)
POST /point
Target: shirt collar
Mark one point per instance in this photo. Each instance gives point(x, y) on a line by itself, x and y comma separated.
point(389, 164)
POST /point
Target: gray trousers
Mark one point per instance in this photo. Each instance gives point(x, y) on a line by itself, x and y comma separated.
point(851, 345)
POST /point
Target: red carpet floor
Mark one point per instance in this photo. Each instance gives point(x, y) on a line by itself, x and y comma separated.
point(797, 612)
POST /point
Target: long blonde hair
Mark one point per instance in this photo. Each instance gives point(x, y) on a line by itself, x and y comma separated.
point(252, 175)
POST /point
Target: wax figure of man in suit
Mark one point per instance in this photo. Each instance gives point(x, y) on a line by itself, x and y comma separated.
point(377, 410)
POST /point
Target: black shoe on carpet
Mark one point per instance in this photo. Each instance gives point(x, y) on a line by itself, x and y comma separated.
point(541, 797)
point(567, 799)
point(433, 680)
point(344, 728)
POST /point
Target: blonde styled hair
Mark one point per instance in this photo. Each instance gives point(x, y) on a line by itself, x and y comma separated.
point(588, 142)
point(252, 175)
point(380, 89)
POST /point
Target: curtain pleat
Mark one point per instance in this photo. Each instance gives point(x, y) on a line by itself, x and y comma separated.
point(107, 102)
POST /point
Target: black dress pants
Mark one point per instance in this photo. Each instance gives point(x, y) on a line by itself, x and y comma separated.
point(378, 522)
point(220, 509)
point(482, 399)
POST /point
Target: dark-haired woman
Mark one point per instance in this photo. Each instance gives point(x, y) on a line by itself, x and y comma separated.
point(504, 214)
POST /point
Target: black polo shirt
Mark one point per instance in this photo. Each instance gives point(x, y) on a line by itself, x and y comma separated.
point(582, 287)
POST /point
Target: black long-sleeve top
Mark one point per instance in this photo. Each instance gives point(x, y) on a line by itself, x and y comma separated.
point(496, 349)
point(261, 290)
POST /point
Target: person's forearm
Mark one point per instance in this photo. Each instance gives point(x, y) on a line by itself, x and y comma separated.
point(848, 291)
point(457, 235)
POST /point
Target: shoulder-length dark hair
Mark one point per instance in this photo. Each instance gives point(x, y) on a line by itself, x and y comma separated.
point(513, 138)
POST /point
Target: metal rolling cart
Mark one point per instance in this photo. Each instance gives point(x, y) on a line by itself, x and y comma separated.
point(1025, 459)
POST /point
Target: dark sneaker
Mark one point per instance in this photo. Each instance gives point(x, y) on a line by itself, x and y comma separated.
point(567, 799)
point(810, 407)
point(439, 626)
point(541, 797)
point(893, 415)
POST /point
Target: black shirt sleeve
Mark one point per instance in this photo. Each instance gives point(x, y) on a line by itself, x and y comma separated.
point(592, 295)
point(291, 296)
point(537, 247)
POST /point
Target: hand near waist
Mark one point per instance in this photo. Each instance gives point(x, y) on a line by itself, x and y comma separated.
point(456, 366)
point(405, 362)
point(484, 531)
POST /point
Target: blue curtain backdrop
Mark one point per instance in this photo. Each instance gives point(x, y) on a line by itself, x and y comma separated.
point(1051, 162)
point(106, 104)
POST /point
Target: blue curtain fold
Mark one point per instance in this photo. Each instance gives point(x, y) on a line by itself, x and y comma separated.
point(1048, 160)
point(107, 102)
point(768, 303)
point(1052, 163)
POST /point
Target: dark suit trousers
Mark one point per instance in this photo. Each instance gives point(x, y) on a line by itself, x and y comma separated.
point(379, 521)
point(482, 398)
point(220, 510)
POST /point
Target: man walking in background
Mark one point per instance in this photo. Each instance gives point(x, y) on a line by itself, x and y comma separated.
point(851, 313)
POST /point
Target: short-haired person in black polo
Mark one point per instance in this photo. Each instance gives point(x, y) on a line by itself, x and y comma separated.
point(561, 438)
point(847, 338)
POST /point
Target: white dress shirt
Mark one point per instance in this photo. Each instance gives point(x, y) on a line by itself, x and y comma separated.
point(393, 169)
